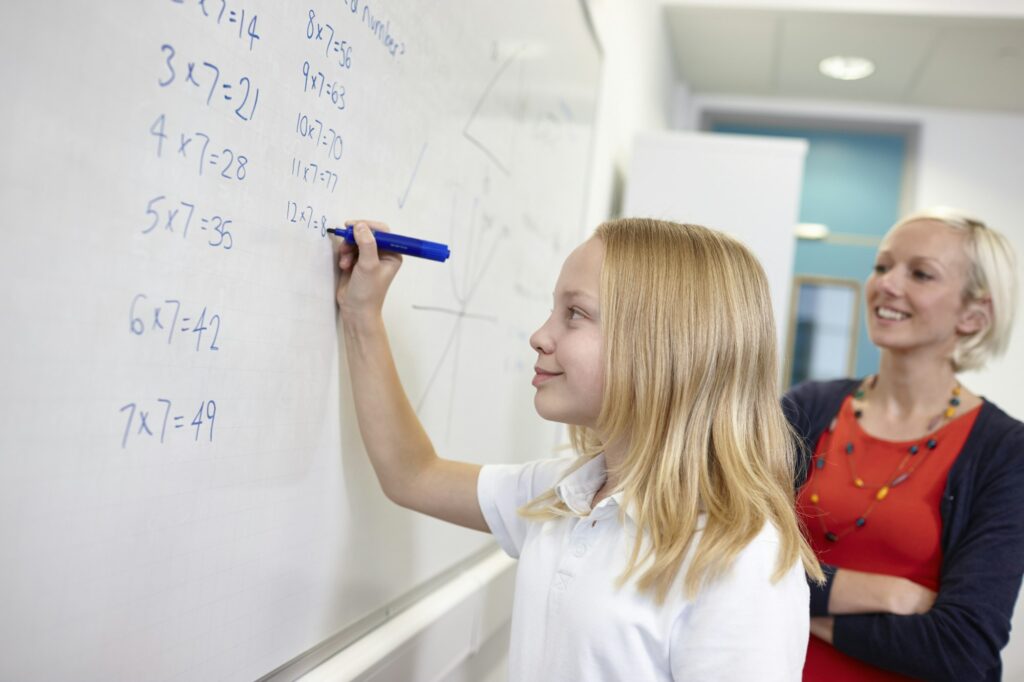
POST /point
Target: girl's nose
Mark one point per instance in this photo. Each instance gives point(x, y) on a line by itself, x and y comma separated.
point(541, 340)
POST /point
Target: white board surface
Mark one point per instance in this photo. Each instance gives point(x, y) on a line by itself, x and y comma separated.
point(183, 492)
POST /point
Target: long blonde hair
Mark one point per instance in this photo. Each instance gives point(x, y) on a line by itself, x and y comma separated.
point(691, 385)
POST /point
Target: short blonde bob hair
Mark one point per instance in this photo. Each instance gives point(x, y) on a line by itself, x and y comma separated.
point(691, 386)
point(991, 274)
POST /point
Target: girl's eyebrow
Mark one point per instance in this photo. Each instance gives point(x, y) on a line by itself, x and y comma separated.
point(578, 293)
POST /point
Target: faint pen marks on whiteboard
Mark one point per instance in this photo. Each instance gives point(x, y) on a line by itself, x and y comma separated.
point(469, 131)
point(415, 170)
point(457, 313)
point(482, 243)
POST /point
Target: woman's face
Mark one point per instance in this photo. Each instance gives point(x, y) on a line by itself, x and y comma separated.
point(914, 296)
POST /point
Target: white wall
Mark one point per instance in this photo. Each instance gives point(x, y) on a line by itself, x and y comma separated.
point(637, 90)
point(974, 8)
point(768, 173)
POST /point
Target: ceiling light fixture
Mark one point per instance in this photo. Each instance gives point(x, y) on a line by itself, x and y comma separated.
point(846, 68)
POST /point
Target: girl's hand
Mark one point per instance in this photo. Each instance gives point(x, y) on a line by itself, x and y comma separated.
point(365, 273)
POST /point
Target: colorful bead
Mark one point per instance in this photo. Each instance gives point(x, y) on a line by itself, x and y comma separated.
point(814, 498)
point(882, 492)
point(932, 443)
point(913, 449)
point(849, 448)
point(830, 536)
point(956, 390)
point(955, 402)
point(861, 521)
point(859, 482)
point(859, 395)
point(820, 463)
point(899, 479)
point(950, 411)
point(857, 414)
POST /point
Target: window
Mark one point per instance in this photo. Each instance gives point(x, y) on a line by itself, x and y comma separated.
point(822, 329)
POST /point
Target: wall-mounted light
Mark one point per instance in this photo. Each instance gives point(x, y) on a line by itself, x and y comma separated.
point(815, 231)
point(846, 68)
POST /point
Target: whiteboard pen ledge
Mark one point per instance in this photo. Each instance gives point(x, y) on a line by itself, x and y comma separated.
point(454, 607)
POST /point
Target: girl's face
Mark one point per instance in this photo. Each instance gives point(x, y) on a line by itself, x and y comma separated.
point(915, 294)
point(569, 374)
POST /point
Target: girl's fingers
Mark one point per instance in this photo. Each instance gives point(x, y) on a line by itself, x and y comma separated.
point(366, 243)
point(364, 251)
point(346, 253)
point(374, 224)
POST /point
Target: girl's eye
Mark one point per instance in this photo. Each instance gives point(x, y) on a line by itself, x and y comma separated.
point(879, 269)
point(575, 313)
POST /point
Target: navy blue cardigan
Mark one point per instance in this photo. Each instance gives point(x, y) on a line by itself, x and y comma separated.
point(982, 512)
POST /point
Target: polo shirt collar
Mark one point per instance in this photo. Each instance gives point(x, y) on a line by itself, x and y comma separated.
point(577, 490)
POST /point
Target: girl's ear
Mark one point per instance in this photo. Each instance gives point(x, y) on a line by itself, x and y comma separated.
point(975, 317)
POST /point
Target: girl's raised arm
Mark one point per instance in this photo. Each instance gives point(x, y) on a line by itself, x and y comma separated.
point(409, 470)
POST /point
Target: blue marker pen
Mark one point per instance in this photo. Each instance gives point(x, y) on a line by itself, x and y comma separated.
point(407, 246)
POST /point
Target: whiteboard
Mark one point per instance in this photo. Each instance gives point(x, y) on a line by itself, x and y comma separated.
point(183, 492)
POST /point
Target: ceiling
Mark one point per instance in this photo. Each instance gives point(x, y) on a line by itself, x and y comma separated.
point(947, 61)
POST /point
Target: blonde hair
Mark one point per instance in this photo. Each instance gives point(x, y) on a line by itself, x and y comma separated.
point(991, 273)
point(691, 386)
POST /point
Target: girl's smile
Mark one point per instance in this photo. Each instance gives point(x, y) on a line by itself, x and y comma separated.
point(541, 376)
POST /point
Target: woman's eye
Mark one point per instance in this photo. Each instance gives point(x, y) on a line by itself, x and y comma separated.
point(879, 269)
point(922, 275)
point(575, 313)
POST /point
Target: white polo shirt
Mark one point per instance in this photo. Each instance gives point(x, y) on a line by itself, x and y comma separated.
point(570, 623)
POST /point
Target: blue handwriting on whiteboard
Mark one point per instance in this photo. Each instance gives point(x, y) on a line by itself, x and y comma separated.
point(313, 130)
point(312, 173)
point(325, 33)
point(307, 216)
point(207, 76)
point(222, 13)
point(196, 146)
point(171, 215)
point(316, 83)
point(150, 423)
point(382, 29)
point(144, 316)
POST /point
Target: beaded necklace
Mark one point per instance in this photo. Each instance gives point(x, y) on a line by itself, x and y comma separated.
point(899, 475)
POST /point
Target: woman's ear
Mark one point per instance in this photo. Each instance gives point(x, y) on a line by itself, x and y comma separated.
point(975, 317)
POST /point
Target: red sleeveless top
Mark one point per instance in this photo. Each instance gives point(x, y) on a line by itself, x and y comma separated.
point(849, 527)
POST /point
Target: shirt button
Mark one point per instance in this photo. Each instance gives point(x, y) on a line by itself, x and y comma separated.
point(579, 550)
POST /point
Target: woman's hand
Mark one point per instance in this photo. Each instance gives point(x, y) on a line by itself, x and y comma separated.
point(365, 273)
point(822, 626)
point(907, 598)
